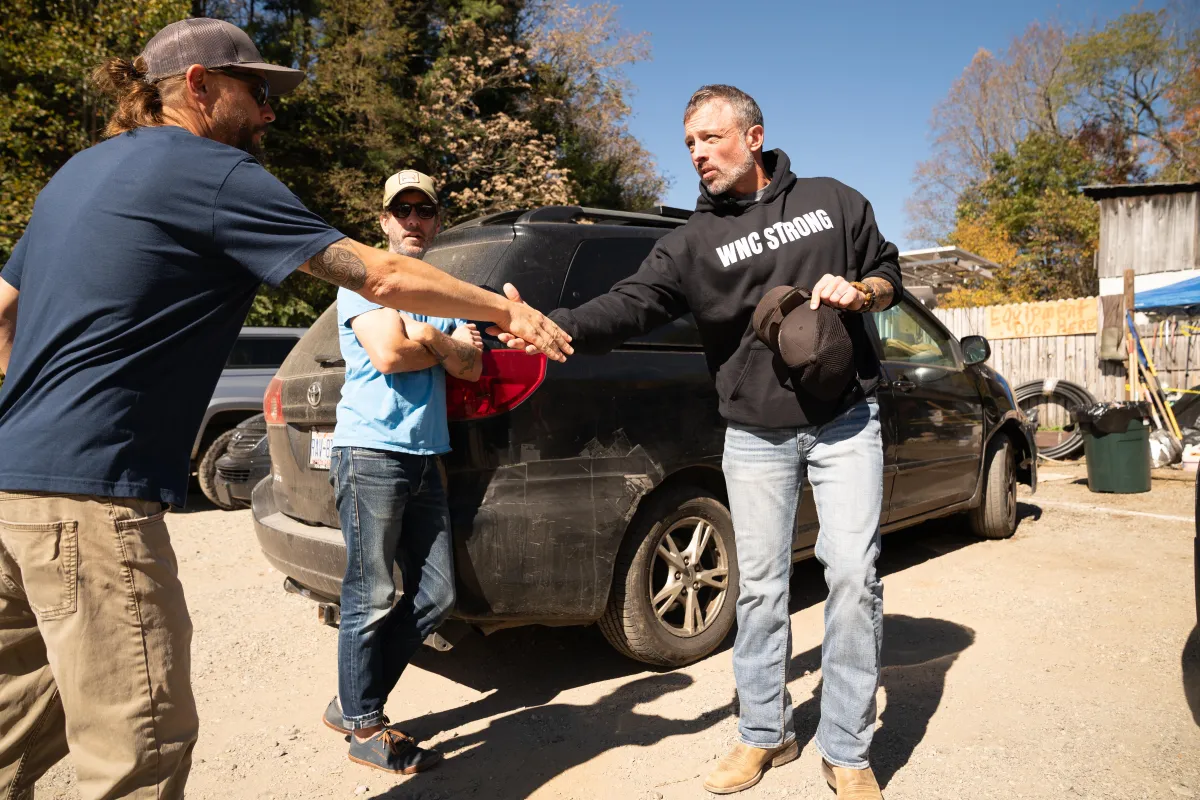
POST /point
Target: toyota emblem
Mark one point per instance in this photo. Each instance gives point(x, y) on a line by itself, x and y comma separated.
point(314, 395)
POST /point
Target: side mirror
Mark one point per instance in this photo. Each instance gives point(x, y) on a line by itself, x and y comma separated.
point(976, 349)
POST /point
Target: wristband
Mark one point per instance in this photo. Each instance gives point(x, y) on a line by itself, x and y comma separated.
point(869, 303)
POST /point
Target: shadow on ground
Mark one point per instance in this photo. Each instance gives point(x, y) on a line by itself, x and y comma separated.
point(917, 655)
point(534, 739)
point(530, 666)
point(517, 754)
point(1028, 511)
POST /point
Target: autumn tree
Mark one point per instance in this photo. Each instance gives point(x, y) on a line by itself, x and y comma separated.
point(1029, 217)
point(1184, 99)
point(1123, 76)
point(993, 105)
point(1126, 93)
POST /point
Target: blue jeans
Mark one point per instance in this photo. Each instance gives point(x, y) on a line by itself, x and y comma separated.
point(764, 470)
point(392, 507)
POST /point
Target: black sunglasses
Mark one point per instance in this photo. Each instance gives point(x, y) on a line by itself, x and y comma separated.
point(260, 88)
point(402, 210)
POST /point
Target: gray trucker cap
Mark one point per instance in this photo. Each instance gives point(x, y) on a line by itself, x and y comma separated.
point(211, 43)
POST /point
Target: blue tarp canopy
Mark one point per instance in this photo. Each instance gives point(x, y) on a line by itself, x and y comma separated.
point(1182, 297)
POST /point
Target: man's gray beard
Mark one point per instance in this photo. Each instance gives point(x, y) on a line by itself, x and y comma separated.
point(405, 250)
point(724, 183)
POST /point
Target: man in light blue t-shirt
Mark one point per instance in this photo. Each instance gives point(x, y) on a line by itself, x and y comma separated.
point(391, 426)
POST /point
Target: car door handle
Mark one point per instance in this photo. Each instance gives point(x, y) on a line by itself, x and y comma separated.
point(903, 385)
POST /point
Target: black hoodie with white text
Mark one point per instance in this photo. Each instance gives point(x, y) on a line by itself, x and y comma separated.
point(719, 265)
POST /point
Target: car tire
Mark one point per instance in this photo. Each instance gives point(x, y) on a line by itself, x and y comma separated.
point(996, 515)
point(694, 520)
point(206, 473)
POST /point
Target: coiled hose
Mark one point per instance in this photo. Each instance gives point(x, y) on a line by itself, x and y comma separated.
point(1066, 393)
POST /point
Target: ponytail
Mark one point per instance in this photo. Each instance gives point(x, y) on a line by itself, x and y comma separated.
point(139, 102)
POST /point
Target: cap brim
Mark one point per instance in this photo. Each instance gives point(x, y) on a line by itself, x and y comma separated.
point(387, 199)
point(282, 79)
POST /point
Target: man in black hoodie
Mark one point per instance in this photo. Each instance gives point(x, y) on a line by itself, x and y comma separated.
point(758, 226)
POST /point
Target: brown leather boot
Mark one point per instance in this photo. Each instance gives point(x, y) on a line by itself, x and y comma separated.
point(851, 784)
point(744, 766)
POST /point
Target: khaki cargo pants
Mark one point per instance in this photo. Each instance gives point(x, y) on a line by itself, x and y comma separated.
point(95, 647)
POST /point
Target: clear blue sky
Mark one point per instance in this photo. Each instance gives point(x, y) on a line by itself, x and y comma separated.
point(846, 89)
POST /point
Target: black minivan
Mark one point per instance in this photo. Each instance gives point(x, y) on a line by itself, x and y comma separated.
point(578, 490)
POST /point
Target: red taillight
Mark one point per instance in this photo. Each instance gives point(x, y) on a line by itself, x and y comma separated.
point(509, 378)
point(273, 402)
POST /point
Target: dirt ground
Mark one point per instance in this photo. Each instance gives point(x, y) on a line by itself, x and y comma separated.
point(1055, 664)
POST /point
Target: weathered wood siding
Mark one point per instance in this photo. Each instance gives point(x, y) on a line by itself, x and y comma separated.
point(1077, 358)
point(1152, 233)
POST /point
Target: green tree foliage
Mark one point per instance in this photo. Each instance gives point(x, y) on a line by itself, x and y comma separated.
point(47, 109)
point(505, 104)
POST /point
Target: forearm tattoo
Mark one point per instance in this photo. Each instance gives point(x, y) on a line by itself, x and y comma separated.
point(463, 352)
point(884, 292)
point(340, 265)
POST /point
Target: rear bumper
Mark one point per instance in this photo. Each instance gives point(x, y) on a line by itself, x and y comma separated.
point(312, 555)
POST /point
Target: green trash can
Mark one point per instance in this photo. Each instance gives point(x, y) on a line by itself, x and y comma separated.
point(1116, 444)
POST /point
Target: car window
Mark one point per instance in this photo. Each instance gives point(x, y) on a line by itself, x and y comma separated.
point(260, 352)
point(600, 263)
point(905, 336)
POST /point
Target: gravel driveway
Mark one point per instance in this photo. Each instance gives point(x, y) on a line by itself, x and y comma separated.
point(1051, 665)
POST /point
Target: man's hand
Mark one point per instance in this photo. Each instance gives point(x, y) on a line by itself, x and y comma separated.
point(528, 326)
point(468, 334)
point(836, 292)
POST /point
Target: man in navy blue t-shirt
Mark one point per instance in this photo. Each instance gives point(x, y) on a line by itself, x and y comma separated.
point(118, 308)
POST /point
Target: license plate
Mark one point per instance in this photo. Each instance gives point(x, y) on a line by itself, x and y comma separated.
point(319, 449)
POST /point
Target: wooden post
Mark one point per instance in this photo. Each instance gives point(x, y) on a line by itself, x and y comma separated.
point(1132, 392)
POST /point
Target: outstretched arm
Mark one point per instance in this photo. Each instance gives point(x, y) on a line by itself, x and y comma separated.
point(399, 282)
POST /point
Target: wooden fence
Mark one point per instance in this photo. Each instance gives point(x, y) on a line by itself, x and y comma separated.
point(1077, 358)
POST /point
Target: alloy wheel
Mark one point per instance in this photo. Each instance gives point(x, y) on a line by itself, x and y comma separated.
point(689, 577)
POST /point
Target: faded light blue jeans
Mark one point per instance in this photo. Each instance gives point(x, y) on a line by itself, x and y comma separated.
point(764, 471)
point(392, 508)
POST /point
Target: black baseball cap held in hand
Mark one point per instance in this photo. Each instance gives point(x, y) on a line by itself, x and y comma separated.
point(814, 344)
point(213, 44)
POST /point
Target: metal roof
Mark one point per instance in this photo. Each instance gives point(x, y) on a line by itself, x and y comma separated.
point(943, 267)
point(1105, 191)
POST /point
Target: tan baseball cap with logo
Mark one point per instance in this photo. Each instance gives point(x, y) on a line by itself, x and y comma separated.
point(409, 179)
